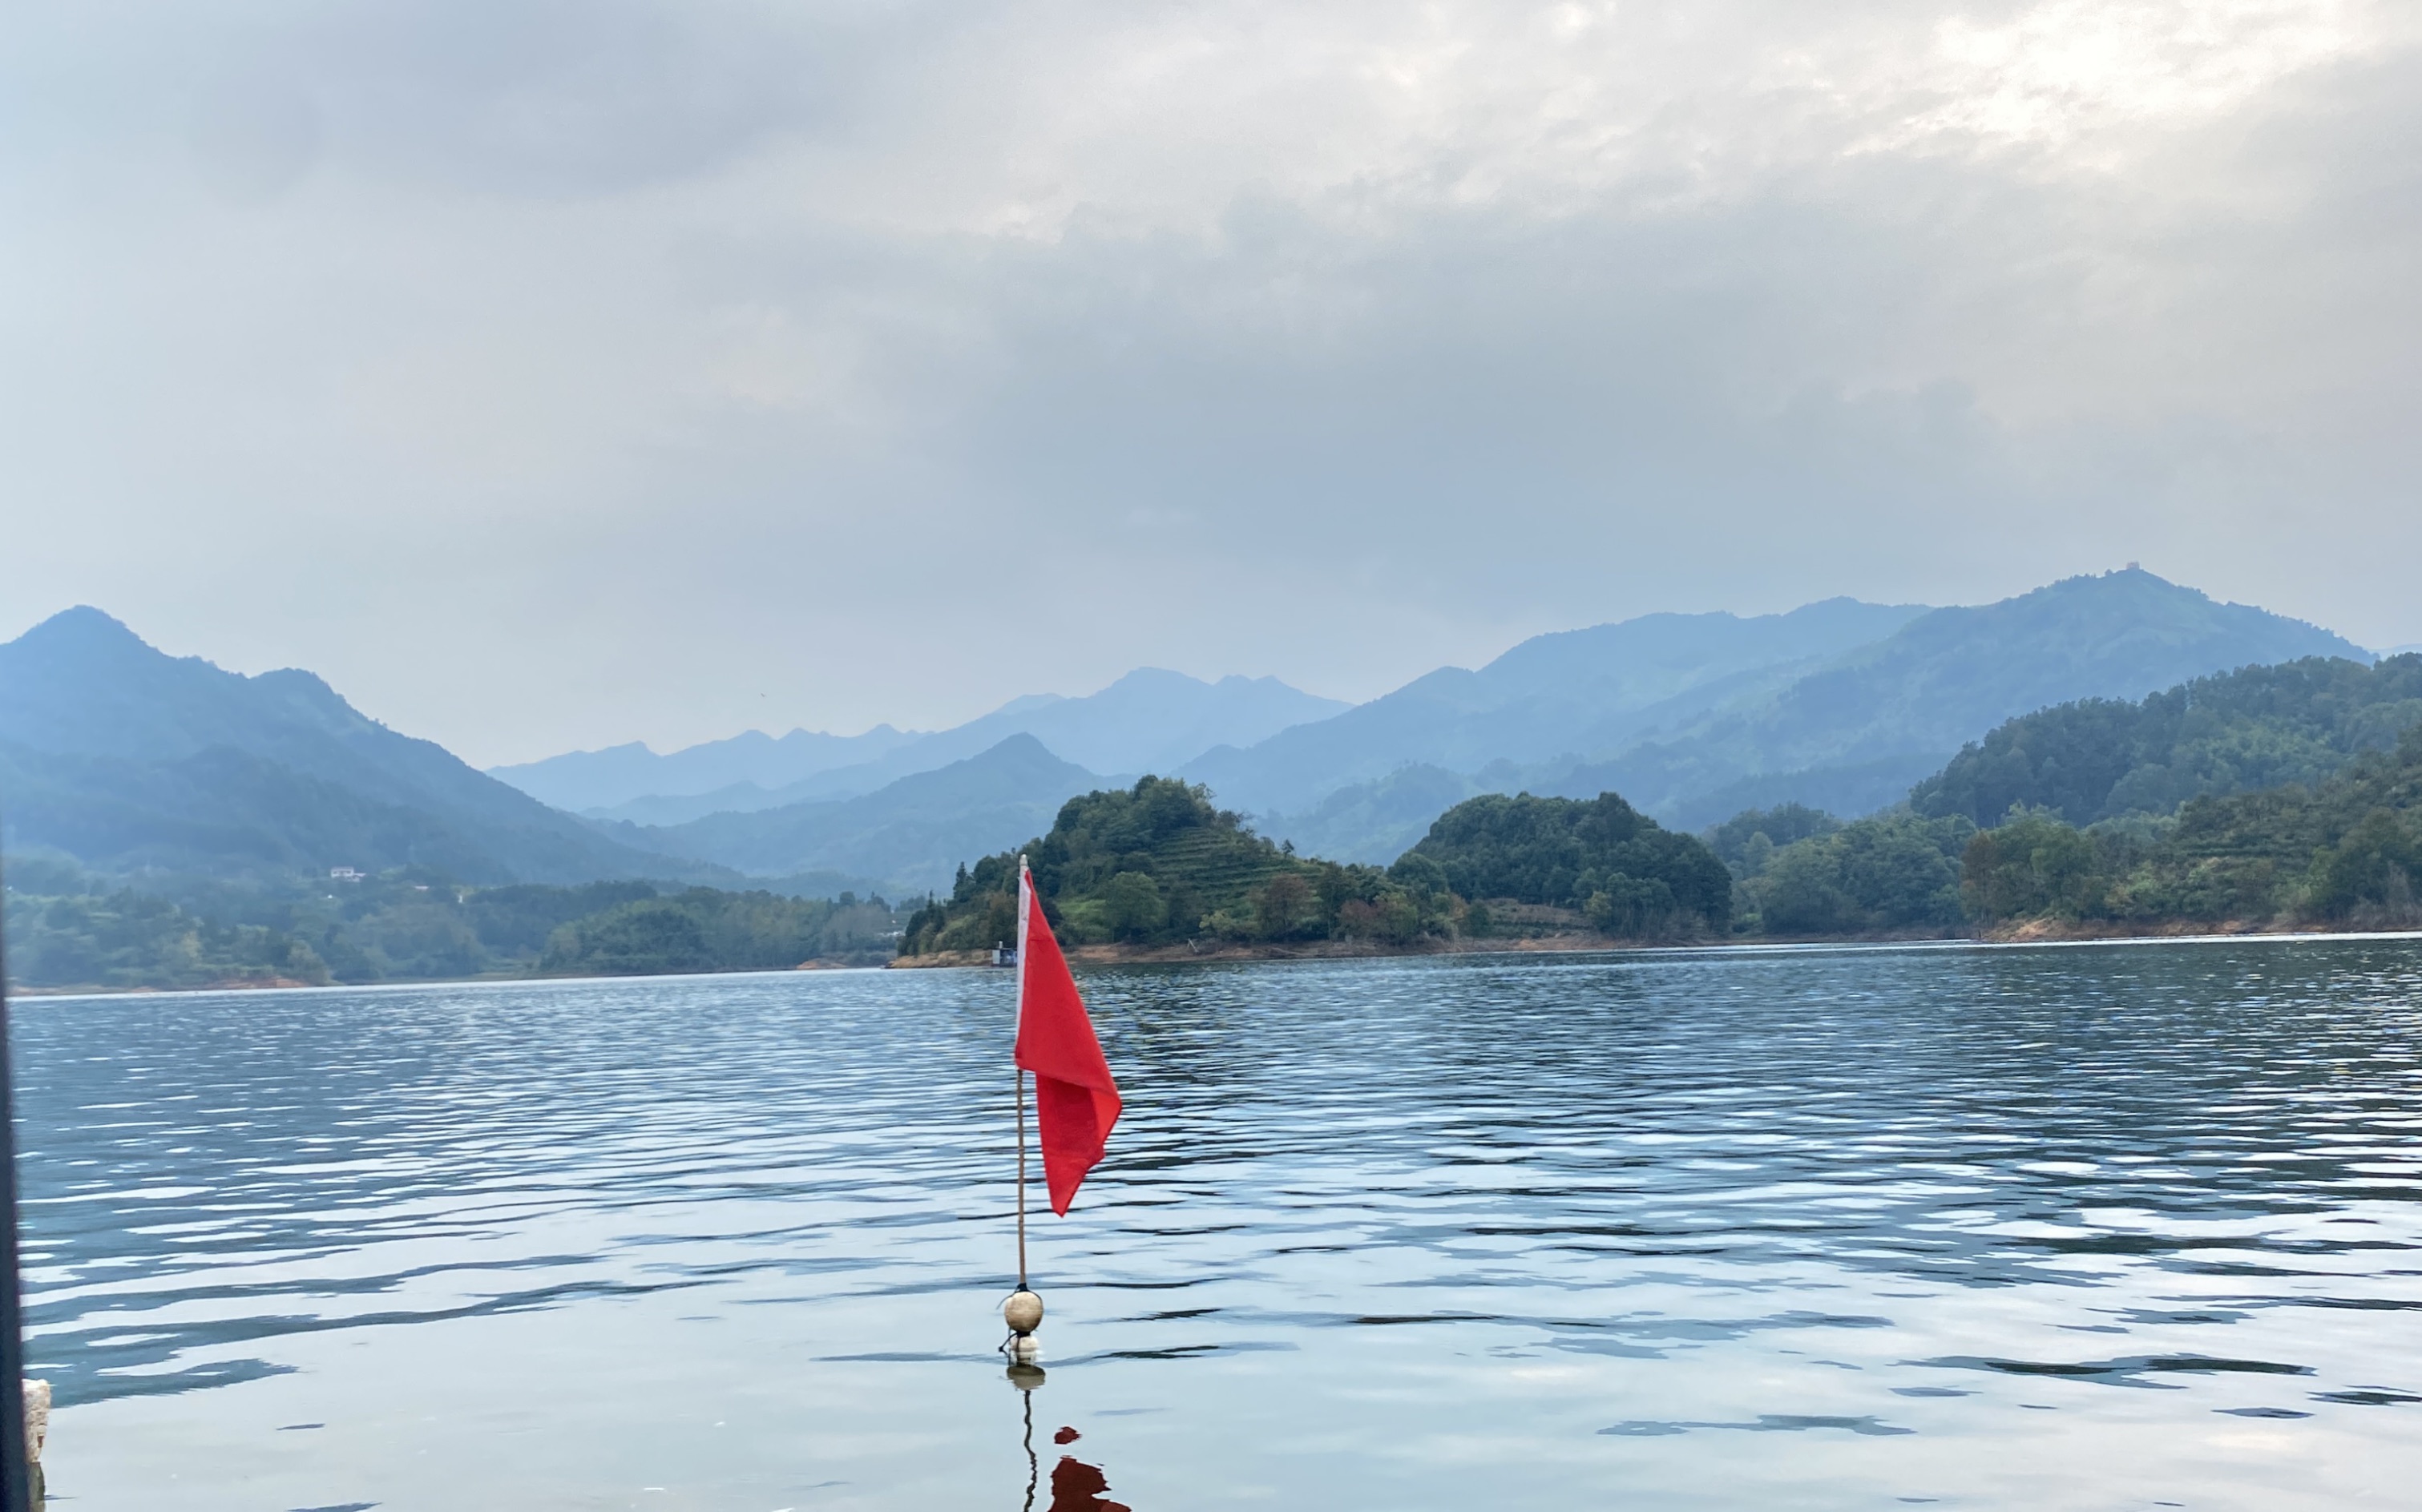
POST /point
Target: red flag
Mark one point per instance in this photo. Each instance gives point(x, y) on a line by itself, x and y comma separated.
point(1076, 1102)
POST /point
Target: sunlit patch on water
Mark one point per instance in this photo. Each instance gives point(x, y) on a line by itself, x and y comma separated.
point(2093, 1227)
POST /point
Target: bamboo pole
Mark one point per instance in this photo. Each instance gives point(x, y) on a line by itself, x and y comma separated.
point(1023, 1311)
point(1024, 902)
point(1021, 1180)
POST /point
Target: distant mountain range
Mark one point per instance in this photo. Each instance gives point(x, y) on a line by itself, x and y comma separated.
point(1561, 694)
point(589, 780)
point(1150, 720)
point(126, 759)
point(914, 832)
point(1841, 705)
point(1847, 727)
point(1854, 734)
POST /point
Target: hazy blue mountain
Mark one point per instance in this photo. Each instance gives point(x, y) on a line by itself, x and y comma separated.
point(124, 758)
point(912, 833)
point(1857, 790)
point(586, 781)
point(1150, 720)
point(665, 809)
point(1572, 693)
point(1889, 713)
point(220, 812)
point(1376, 821)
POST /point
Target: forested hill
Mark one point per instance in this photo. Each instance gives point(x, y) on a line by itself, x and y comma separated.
point(2261, 726)
point(1601, 857)
point(1160, 864)
point(2342, 851)
point(2347, 853)
point(1157, 863)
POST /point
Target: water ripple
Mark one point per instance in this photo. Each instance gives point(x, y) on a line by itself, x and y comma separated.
point(1779, 1193)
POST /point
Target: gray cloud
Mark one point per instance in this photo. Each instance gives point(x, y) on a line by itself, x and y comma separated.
point(555, 374)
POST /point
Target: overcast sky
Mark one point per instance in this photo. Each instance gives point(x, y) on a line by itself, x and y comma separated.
point(552, 373)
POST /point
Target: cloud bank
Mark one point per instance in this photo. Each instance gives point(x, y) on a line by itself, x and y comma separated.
point(553, 374)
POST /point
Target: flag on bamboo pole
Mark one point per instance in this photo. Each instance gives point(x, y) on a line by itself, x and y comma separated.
point(1076, 1102)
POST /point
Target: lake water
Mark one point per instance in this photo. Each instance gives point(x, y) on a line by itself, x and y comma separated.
point(2106, 1227)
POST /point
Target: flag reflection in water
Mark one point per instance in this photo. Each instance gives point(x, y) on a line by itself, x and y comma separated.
point(1076, 1486)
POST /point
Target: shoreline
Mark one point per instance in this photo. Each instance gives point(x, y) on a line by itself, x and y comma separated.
point(1231, 952)
point(2032, 933)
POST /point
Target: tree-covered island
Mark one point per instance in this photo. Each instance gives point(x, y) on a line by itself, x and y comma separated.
point(1159, 869)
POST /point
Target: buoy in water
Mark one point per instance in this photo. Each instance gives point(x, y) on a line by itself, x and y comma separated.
point(1022, 1312)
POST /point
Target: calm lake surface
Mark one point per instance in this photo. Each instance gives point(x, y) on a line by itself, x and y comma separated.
point(2109, 1227)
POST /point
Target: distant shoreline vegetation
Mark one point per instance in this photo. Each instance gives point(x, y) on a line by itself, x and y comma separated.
point(2273, 798)
point(68, 930)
